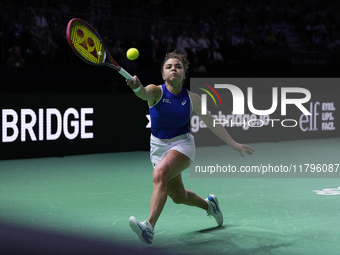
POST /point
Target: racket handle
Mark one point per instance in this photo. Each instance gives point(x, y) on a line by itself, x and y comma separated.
point(125, 74)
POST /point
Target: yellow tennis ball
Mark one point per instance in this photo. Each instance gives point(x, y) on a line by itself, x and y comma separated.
point(132, 54)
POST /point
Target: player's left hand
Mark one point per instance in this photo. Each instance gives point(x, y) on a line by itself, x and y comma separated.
point(243, 148)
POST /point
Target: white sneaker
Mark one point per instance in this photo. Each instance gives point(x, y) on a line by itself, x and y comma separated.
point(214, 209)
point(144, 230)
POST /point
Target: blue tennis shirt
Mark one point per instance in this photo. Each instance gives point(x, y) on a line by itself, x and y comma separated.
point(170, 116)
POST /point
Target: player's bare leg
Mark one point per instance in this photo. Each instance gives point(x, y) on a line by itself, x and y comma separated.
point(172, 164)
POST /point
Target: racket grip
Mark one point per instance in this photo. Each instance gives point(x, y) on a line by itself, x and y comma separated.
point(125, 74)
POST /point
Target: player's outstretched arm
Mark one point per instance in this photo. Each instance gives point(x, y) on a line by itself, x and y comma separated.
point(149, 93)
point(218, 129)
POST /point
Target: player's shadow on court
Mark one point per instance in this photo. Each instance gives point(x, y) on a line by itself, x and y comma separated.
point(200, 236)
point(208, 230)
point(221, 240)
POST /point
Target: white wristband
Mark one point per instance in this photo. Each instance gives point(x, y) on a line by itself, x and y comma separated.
point(137, 89)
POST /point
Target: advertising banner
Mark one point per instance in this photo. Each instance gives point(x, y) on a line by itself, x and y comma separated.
point(52, 124)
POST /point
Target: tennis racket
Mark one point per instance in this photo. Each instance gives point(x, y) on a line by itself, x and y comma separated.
point(88, 46)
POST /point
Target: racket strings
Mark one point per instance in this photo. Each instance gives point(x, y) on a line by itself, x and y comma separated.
point(87, 43)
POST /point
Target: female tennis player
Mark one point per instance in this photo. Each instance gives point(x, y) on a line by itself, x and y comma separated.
point(172, 146)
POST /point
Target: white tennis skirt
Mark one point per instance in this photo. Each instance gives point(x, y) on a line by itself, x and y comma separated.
point(185, 144)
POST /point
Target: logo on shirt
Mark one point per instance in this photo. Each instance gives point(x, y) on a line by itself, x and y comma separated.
point(184, 102)
point(166, 100)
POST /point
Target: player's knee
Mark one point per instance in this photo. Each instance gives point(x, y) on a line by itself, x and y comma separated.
point(159, 175)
